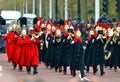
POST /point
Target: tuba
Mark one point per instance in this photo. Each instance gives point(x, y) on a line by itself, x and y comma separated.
point(114, 34)
point(107, 53)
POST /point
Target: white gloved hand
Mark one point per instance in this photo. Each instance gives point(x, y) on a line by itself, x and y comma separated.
point(48, 38)
point(72, 42)
point(32, 39)
point(119, 43)
point(41, 44)
point(111, 42)
point(53, 41)
point(93, 41)
point(86, 42)
point(98, 37)
point(64, 40)
point(84, 47)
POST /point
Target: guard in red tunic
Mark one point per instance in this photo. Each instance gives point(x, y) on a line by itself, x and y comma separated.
point(31, 52)
point(21, 50)
point(17, 33)
point(10, 38)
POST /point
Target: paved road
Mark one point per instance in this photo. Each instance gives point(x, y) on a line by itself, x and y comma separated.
point(46, 75)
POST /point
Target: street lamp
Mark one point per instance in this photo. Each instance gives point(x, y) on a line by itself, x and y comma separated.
point(66, 9)
point(15, 6)
point(50, 12)
point(78, 12)
point(33, 6)
point(26, 6)
point(40, 8)
point(97, 10)
point(56, 11)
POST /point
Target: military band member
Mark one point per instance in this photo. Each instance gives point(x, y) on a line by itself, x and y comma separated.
point(47, 39)
point(9, 42)
point(90, 50)
point(15, 46)
point(67, 46)
point(50, 49)
point(42, 45)
point(114, 59)
point(99, 56)
point(52, 43)
point(78, 57)
point(58, 50)
point(21, 50)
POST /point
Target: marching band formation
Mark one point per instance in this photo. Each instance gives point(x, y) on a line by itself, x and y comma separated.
point(62, 46)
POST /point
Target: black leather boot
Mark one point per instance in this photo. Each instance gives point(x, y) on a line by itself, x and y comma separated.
point(35, 70)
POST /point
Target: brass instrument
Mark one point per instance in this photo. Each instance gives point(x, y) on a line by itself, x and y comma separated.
point(58, 39)
point(41, 45)
point(69, 37)
point(100, 37)
point(37, 34)
point(114, 34)
point(72, 35)
point(58, 36)
point(19, 35)
point(107, 53)
point(118, 42)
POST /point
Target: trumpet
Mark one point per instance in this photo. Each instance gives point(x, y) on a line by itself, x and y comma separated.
point(101, 38)
point(20, 36)
point(70, 36)
point(41, 45)
point(58, 39)
point(37, 34)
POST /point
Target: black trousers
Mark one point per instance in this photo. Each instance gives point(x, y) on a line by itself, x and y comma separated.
point(101, 68)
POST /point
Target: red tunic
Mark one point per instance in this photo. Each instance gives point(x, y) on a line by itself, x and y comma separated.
point(10, 38)
point(28, 54)
point(20, 52)
point(34, 59)
point(17, 51)
point(14, 49)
